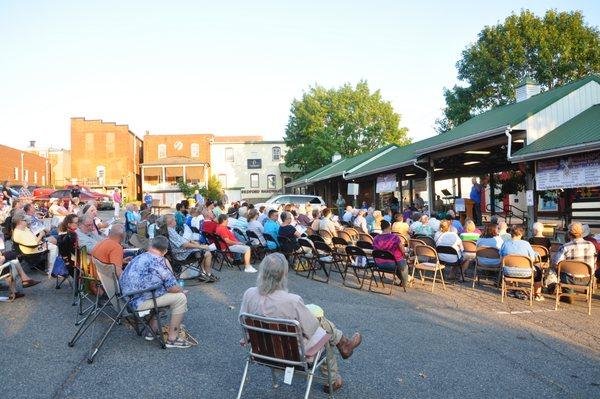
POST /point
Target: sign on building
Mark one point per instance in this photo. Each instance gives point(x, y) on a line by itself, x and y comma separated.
point(254, 163)
point(568, 172)
point(386, 183)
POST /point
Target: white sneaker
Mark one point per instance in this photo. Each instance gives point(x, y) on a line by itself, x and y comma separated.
point(250, 269)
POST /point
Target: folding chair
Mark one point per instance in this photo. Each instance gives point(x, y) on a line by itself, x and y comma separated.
point(87, 288)
point(357, 260)
point(386, 257)
point(121, 305)
point(258, 249)
point(431, 264)
point(289, 250)
point(494, 267)
point(278, 344)
point(180, 266)
point(580, 270)
point(222, 254)
point(345, 236)
point(327, 236)
point(543, 259)
point(36, 261)
point(469, 251)
point(427, 240)
point(315, 238)
point(521, 262)
point(365, 237)
point(326, 258)
point(270, 239)
point(412, 243)
point(307, 258)
point(353, 233)
point(447, 250)
point(309, 231)
point(9, 274)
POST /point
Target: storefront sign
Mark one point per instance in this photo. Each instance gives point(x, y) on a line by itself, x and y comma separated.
point(257, 191)
point(386, 183)
point(254, 163)
point(568, 172)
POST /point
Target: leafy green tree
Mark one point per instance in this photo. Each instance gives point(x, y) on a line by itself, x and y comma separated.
point(553, 50)
point(349, 120)
point(211, 191)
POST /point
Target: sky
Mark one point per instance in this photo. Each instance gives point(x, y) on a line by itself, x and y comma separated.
point(228, 68)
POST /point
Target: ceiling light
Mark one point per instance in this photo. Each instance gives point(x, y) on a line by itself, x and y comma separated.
point(519, 141)
point(471, 163)
point(409, 174)
point(478, 152)
point(437, 169)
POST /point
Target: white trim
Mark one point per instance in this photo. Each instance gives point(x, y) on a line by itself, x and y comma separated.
point(557, 152)
point(463, 140)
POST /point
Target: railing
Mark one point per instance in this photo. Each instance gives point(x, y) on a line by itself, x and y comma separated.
point(508, 212)
point(159, 186)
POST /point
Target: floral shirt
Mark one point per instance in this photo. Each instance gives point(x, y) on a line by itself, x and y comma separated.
point(145, 271)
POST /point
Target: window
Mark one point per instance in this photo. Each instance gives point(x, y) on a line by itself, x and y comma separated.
point(254, 182)
point(43, 180)
point(100, 173)
point(228, 154)
point(271, 181)
point(162, 151)
point(89, 142)
point(26, 175)
point(276, 153)
point(16, 175)
point(35, 177)
point(223, 181)
point(110, 144)
point(195, 150)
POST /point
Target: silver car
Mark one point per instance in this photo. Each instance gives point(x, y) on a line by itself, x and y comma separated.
point(297, 199)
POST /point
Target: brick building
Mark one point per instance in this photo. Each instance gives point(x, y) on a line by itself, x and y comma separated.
point(59, 160)
point(18, 165)
point(106, 155)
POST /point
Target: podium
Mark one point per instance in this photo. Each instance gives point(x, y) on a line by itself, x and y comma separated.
point(464, 208)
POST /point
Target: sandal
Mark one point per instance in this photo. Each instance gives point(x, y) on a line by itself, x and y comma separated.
point(178, 343)
point(30, 283)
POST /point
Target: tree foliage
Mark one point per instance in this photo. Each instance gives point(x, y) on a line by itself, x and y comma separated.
point(211, 191)
point(349, 120)
point(553, 50)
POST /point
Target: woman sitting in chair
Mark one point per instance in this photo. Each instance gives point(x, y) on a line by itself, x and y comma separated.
point(390, 242)
point(271, 298)
point(447, 238)
point(518, 246)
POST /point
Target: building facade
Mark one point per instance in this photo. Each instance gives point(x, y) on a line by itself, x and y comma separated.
point(59, 161)
point(249, 165)
point(18, 166)
point(106, 155)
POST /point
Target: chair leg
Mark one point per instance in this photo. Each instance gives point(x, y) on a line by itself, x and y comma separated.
point(310, 379)
point(274, 379)
point(556, 295)
point(103, 339)
point(443, 281)
point(503, 291)
point(330, 355)
point(244, 375)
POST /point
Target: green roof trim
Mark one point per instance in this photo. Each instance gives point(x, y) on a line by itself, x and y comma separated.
point(283, 168)
point(579, 134)
point(304, 178)
point(494, 121)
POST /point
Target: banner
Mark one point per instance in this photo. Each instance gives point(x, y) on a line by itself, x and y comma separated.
point(386, 183)
point(568, 172)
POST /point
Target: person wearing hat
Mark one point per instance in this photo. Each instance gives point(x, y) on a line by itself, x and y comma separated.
point(587, 235)
point(576, 249)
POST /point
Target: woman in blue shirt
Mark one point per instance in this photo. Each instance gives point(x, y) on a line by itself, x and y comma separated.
point(518, 246)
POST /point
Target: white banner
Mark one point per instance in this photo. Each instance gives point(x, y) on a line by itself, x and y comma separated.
point(386, 183)
point(568, 172)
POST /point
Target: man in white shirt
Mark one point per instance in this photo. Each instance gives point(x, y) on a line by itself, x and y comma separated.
point(348, 215)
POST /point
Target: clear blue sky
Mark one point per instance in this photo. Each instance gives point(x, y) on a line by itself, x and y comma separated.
point(230, 68)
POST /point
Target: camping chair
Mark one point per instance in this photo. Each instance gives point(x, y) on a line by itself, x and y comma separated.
point(307, 258)
point(120, 303)
point(386, 257)
point(87, 288)
point(365, 237)
point(181, 266)
point(222, 255)
point(326, 258)
point(543, 259)
point(36, 261)
point(447, 250)
point(269, 238)
point(487, 253)
point(278, 344)
point(431, 263)
point(357, 260)
point(257, 247)
point(576, 269)
point(521, 262)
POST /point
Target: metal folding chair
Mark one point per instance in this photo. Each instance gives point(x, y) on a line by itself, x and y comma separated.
point(426, 259)
point(514, 283)
point(357, 260)
point(278, 344)
point(448, 250)
point(258, 249)
point(36, 261)
point(270, 239)
point(223, 254)
point(576, 269)
point(378, 272)
point(496, 267)
point(327, 258)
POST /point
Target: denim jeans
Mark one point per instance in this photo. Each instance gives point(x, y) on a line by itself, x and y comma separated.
point(568, 279)
point(402, 272)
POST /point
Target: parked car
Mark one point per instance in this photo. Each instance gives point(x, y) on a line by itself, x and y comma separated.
point(103, 201)
point(297, 199)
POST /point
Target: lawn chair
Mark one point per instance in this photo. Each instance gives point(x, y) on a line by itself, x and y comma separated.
point(386, 257)
point(580, 270)
point(487, 253)
point(327, 258)
point(521, 262)
point(447, 250)
point(431, 264)
point(87, 287)
point(36, 261)
point(120, 303)
point(278, 344)
point(357, 260)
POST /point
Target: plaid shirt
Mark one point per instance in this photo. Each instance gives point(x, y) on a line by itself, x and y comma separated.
point(578, 249)
point(177, 243)
point(24, 193)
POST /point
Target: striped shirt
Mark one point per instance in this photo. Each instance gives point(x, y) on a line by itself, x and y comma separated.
point(578, 249)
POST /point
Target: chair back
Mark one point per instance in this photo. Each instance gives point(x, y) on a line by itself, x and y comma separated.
point(365, 237)
point(110, 283)
point(339, 242)
point(219, 242)
point(315, 238)
point(240, 233)
point(286, 245)
point(517, 261)
point(427, 240)
point(470, 246)
point(413, 242)
point(541, 251)
point(274, 342)
point(488, 253)
point(403, 240)
point(425, 251)
point(306, 245)
point(383, 255)
point(325, 234)
point(322, 247)
point(364, 244)
point(343, 234)
point(575, 268)
point(448, 250)
point(269, 238)
point(354, 251)
point(252, 235)
point(309, 231)
point(352, 232)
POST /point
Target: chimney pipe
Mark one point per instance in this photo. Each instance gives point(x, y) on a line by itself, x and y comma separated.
point(32, 143)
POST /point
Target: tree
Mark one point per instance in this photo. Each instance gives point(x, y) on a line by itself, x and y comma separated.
point(553, 50)
point(349, 120)
point(211, 191)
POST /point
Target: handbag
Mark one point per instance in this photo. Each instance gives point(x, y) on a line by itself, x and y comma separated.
point(59, 268)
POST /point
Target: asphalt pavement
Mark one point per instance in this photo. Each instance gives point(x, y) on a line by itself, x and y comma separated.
point(454, 343)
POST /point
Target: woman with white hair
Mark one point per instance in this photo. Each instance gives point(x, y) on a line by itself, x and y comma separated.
point(538, 236)
point(271, 298)
point(360, 223)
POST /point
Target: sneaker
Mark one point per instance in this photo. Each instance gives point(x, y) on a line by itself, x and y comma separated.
point(203, 276)
point(250, 269)
point(520, 295)
point(178, 344)
point(539, 298)
point(149, 336)
point(213, 278)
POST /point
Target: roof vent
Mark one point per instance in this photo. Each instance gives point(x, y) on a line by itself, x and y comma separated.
point(526, 89)
point(336, 157)
point(32, 143)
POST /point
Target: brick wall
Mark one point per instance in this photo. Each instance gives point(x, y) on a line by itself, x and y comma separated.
point(177, 145)
point(33, 166)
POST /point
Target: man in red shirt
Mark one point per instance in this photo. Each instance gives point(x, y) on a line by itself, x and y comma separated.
point(234, 245)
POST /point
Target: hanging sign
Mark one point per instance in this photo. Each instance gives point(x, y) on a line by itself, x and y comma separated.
point(568, 172)
point(386, 183)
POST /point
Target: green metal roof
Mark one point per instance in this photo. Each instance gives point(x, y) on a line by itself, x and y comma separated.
point(494, 121)
point(304, 178)
point(578, 134)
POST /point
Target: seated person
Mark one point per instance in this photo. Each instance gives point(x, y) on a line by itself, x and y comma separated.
point(272, 227)
point(12, 273)
point(538, 236)
point(131, 220)
point(56, 211)
point(33, 243)
point(390, 242)
point(434, 222)
point(490, 239)
point(90, 210)
point(576, 249)
point(399, 226)
point(376, 225)
point(35, 224)
point(271, 298)
point(424, 229)
point(316, 216)
point(288, 231)
point(518, 246)
point(471, 233)
point(182, 249)
point(455, 224)
point(256, 227)
point(325, 223)
point(67, 240)
point(148, 270)
point(87, 234)
point(110, 251)
point(447, 238)
point(179, 217)
point(347, 216)
point(234, 245)
point(305, 219)
point(360, 223)
point(503, 231)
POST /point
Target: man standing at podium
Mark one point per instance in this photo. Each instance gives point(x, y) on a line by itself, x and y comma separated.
point(476, 191)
